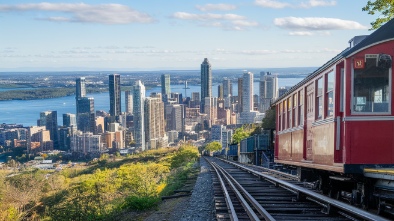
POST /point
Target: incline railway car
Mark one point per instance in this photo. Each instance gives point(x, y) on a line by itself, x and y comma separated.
point(339, 120)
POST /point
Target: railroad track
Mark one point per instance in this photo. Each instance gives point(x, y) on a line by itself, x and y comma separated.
point(244, 193)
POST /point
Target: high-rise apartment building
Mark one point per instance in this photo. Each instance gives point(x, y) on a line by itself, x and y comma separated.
point(247, 92)
point(138, 112)
point(128, 102)
point(206, 82)
point(165, 86)
point(155, 132)
point(114, 95)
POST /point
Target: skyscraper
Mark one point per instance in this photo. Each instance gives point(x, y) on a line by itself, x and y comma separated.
point(114, 95)
point(240, 86)
point(220, 91)
point(154, 122)
point(128, 102)
point(80, 88)
point(80, 91)
point(69, 120)
point(86, 115)
point(227, 87)
point(49, 120)
point(165, 86)
point(138, 112)
point(268, 90)
point(247, 92)
point(206, 82)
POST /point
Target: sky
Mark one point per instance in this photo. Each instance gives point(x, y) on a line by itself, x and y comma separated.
point(175, 34)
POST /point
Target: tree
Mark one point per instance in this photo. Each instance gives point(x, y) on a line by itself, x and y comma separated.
point(214, 146)
point(239, 135)
point(269, 119)
point(385, 7)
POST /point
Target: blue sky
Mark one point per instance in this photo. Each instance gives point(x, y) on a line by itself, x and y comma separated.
point(175, 34)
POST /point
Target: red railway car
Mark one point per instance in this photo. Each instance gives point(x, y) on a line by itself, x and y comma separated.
point(340, 119)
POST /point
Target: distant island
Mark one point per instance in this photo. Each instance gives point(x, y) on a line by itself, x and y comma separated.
point(43, 93)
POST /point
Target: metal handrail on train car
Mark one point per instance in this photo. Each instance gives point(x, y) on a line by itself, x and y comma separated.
point(317, 197)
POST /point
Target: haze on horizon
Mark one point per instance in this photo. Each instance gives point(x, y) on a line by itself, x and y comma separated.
point(150, 35)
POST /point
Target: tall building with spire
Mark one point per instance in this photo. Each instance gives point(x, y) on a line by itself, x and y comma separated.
point(138, 112)
point(206, 82)
point(114, 95)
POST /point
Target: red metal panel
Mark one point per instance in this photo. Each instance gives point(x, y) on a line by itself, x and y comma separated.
point(297, 145)
point(284, 146)
point(323, 144)
point(370, 142)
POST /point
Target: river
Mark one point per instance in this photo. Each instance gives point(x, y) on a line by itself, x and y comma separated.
point(27, 112)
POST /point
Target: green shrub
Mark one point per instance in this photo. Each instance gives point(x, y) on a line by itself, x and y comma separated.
point(140, 203)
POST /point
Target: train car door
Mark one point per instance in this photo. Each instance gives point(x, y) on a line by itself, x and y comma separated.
point(310, 118)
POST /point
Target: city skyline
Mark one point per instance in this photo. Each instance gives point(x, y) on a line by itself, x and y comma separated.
point(140, 35)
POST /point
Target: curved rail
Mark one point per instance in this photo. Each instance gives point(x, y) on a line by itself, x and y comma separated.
point(318, 198)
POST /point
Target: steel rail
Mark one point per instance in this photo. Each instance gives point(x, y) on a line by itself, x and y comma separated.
point(252, 215)
point(321, 198)
point(250, 198)
point(229, 203)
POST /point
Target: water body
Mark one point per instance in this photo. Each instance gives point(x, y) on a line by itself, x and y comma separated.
point(27, 112)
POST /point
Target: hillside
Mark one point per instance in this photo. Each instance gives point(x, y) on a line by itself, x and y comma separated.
point(105, 189)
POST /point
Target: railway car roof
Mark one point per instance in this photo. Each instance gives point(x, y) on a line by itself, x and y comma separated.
point(384, 33)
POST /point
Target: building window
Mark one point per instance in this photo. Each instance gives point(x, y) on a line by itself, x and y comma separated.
point(330, 94)
point(371, 87)
point(294, 118)
point(319, 99)
point(301, 107)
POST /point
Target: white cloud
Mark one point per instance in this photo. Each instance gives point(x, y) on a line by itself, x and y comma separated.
point(272, 4)
point(208, 16)
point(308, 4)
point(316, 24)
point(81, 12)
point(224, 21)
point(216, 7)
point(317, 3)
point(301, 33)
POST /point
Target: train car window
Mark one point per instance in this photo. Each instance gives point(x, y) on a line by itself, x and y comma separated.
point(289, 106)
point(301, 107)
point(280, 117)
point(371, 87)
point(294, 123)
point(319, 99)
point(330, 94)
point(284, 116)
